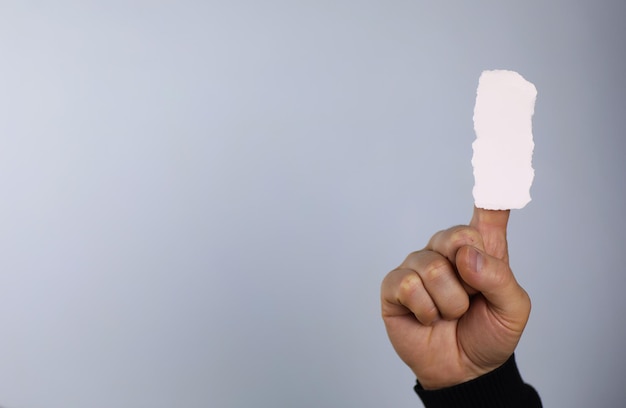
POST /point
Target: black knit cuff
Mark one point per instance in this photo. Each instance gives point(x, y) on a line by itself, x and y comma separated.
point(501, 388)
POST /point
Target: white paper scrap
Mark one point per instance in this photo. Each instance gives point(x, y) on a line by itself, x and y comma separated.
point(503, 149)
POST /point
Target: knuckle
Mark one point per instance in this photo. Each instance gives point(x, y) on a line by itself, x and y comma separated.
point(412, 294)
point(464, 234)
point(410, 284)
point(437, 270)
point(412, 259)
point(436, 237)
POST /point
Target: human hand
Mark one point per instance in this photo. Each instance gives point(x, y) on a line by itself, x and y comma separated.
point(453, 310)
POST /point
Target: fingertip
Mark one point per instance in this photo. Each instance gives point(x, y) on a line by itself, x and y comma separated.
point(469, 259)
point(456, 307)
point(429, 317)
point(493, 278)
point(473, 267)
point(475, 260)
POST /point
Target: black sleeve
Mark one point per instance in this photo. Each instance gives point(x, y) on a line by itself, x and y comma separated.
point(501, 388)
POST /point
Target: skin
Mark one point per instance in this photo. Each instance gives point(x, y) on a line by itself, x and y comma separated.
point(453, 310)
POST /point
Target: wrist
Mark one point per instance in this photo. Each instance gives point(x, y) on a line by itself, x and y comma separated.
point(501, 387)
point(439, 376)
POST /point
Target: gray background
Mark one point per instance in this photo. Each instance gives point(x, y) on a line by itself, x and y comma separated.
point(200, 199)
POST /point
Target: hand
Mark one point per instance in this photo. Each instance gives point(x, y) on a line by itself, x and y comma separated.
point(454, 311)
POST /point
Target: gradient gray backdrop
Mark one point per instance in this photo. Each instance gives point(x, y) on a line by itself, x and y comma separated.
point(200, 199)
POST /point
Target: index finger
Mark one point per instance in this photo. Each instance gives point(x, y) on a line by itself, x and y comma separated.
point(492, 226)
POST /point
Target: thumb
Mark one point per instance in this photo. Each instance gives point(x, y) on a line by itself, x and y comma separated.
point(493, 277)
point(491, 224)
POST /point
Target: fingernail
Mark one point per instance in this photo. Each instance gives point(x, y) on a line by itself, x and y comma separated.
point(476, 259)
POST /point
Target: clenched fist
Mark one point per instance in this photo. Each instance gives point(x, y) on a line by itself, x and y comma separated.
point(454, 311)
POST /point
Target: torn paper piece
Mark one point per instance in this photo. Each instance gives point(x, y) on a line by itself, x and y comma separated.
point(503, 149)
